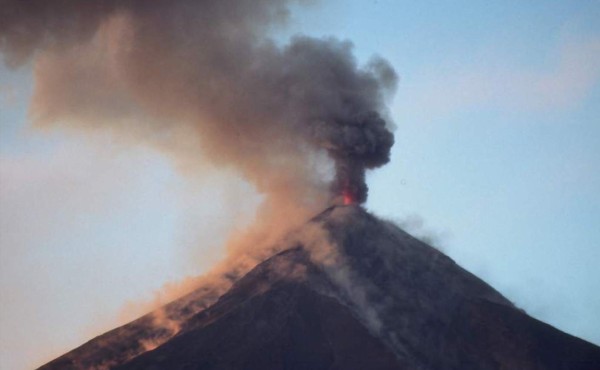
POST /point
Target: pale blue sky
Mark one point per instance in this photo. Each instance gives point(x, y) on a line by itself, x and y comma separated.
point(497, 155)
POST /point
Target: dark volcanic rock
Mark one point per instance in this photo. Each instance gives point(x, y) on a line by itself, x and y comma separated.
point(379, 299)
point(288, 325)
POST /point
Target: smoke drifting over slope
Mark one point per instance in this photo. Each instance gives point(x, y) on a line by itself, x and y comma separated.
point(205, 74)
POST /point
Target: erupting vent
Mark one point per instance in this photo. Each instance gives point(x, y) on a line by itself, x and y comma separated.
point(348, 197)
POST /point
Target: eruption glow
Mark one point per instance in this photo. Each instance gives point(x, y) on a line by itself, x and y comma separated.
point(348, 199)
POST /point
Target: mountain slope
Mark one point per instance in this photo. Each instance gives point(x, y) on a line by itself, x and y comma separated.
point(350, 292)
point(287, 325)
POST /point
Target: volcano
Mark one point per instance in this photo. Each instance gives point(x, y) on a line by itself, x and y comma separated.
point(347, 291)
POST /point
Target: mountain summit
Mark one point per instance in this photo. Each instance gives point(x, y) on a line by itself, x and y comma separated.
point(348, 291)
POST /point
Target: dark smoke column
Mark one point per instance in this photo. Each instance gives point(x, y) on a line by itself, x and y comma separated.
point(363, 143)
point(344, 105)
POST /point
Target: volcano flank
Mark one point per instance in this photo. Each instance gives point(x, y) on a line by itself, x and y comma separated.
point(347, 291)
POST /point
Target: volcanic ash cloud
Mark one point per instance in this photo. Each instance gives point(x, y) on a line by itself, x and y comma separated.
point(202, 79)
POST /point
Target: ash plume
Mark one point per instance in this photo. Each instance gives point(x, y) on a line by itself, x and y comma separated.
point(205, 83)
point(203, 79)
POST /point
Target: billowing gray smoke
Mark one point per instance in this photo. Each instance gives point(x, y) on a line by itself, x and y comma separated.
point(207, 70)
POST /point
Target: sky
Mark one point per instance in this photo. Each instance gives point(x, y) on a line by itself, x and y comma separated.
point(496, 161)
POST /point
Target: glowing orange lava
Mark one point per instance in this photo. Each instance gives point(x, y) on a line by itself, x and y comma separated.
point(348, 198)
